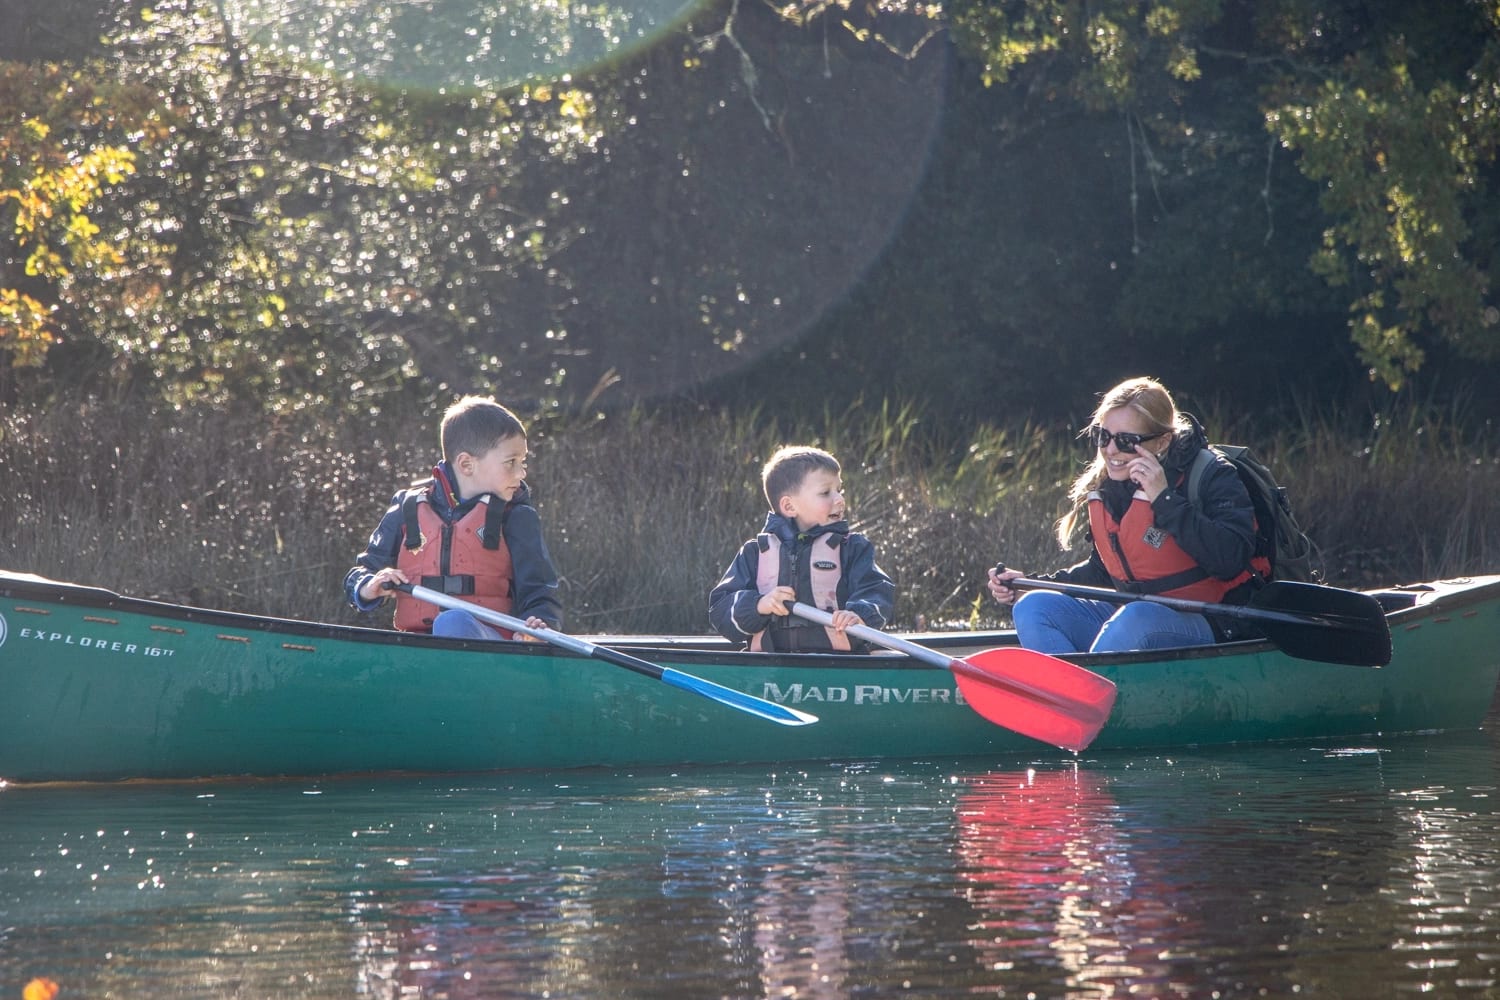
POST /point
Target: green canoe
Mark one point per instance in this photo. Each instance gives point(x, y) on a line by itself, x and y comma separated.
point(98, 686)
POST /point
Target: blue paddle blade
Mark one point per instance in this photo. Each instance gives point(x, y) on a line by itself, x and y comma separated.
point(729, 697)
point(737, 699)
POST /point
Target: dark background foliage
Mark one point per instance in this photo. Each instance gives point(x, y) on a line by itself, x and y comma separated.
point(984, 208)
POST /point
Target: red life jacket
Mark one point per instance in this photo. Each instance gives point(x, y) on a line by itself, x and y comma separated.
point(1144, 559)
point(826, 568)
point(467, 558)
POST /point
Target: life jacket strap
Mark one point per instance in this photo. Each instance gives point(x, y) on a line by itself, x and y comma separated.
point(457, 585)
point(1162, 585)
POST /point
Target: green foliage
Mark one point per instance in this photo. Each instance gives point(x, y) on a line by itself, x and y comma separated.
point(72, 145)
point(1404, 166)
point(274, 204)
point(273, 232)
point(1392, 109)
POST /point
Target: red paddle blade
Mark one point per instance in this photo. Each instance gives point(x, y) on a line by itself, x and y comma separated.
point(1037, 695)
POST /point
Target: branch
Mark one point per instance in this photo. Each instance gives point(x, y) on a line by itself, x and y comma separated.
point(747, 66)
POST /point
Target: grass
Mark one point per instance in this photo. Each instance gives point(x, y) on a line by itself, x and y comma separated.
point(643, 511)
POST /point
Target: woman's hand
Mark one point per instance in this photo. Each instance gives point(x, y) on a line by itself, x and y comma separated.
point(1146, 472)
point(999, 585)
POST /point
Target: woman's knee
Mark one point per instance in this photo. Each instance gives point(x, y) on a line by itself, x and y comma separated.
point(1145, 625)
point(1038, 607)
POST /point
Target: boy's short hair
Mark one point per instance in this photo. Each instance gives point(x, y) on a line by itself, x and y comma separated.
point(785, 470)
point(475, 424)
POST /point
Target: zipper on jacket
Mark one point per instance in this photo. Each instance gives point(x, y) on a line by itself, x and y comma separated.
point(1114, 543)
point(445, 554)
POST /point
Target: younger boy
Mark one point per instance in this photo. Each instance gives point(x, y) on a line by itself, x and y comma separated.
point(469, 531)
point(806, 553)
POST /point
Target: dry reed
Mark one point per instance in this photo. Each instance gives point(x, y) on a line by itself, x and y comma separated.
point(644, 510)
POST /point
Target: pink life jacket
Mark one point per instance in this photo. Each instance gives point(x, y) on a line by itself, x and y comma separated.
point(826, 568)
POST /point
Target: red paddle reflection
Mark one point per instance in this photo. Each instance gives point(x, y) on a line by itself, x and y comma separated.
point(1050, 873)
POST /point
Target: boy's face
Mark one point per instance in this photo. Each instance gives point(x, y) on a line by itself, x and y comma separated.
point(499, 470)
point(818, 500)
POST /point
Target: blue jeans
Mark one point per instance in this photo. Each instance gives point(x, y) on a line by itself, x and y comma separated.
point(455, 624)
point(1050, 622)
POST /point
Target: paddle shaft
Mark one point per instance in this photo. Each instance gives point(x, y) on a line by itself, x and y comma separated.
point(1180, 604)
point(1309, 621)
point(500, 620)
point(935, 658)
point(687, 682)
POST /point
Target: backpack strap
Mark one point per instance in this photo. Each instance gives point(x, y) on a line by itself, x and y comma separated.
point(1265, 519)
point(1201, 463)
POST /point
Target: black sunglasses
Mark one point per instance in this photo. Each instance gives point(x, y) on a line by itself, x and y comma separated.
point(1124, 440)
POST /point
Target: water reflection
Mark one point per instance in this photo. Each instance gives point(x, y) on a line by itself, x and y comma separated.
point(1049, 870)
point(1345, 871)
point(802, 929)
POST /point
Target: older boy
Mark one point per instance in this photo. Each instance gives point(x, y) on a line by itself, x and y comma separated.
point(806, 553)
point(469, 531)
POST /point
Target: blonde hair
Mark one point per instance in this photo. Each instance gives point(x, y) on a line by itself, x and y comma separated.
point(1145, 396)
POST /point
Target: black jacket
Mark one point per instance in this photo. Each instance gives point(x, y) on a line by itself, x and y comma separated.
point(1219, 532)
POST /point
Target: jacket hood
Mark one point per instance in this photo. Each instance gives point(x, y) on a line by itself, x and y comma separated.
point(1186, 444)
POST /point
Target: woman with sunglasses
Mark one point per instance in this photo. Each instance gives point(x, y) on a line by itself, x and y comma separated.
point(1146, 537)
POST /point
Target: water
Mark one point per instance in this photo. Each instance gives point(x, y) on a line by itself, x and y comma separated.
point(1323, 870)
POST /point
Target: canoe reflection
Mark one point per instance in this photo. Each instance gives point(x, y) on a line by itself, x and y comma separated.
point(1046, 866)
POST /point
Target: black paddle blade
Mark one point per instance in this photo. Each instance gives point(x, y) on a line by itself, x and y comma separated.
point(1331, 625)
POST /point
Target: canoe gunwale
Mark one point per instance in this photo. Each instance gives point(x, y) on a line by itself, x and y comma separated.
point(1405, 605)
point(129, 688)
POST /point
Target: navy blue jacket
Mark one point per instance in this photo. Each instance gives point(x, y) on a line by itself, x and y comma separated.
point(535, 578)
point(863, 587)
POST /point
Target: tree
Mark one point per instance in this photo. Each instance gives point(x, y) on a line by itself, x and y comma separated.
point(261, 228)
point(1395, 110)
point(73, 144)
point(1390, 107)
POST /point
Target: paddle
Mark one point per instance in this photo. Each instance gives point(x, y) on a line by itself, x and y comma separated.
point(1032, 693)
point(1306, 620)
point(687, 682)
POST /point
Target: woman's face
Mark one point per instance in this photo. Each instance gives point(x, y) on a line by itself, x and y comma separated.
point(1140, 436)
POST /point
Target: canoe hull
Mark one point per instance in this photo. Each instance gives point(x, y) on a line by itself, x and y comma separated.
point(95, 686)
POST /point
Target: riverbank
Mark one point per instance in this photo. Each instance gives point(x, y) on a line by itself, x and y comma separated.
point(644, 510)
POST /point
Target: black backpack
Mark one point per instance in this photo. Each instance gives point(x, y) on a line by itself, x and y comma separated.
point(1278, 536)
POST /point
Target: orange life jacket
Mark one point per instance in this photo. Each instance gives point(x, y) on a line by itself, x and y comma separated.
point(826, 568)
point(467, 558)
point(1143, 559)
